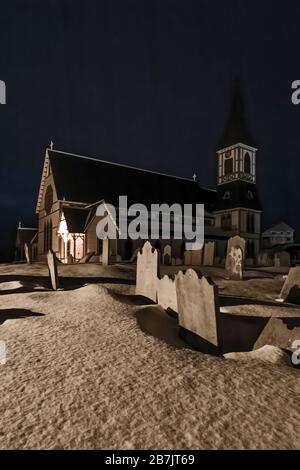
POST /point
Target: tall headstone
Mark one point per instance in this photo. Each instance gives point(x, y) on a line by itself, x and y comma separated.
point(166, 293)
point(290, 291)
point(187, 258)
point(282, 259)
point(266, 259)
point(235, 257)
point(147, 272)
point(52, 266)
point(209, 253)
point(27, 253)
point(198, 305)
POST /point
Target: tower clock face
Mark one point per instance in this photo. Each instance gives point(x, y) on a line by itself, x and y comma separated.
point(48, 199)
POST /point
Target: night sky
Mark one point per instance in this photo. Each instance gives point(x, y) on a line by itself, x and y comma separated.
point(147, 83)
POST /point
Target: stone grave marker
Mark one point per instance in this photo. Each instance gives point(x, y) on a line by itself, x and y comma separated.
point(235, 257)
point(52, 266)
point(198, 307)
point(167, 255)
point(147, 272)
point(290, 291)
point(27, 253)
point(209, 253)
point(166, 293)
point(282, 259)
point(85, 259)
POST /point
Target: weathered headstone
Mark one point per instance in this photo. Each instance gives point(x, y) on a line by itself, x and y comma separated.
point(70, 259)
point(290, 291)
point(166, 257)
point(266, 259)
point(187, 258)
point(27, 253)
point(280, 332)
point(196, 257)
point(198, 305)
point(235, 257)
point(85, 259)
point(147, 272)
point(178, 262)
point(52, 266)
point(166, 293)
point(209, 253)
point(281, 259)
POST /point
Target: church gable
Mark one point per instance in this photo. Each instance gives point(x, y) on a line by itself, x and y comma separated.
point(47, 193)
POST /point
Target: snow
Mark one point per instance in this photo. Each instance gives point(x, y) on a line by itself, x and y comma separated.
point(84, 374)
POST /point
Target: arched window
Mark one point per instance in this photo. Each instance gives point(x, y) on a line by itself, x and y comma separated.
point(228, 166)
point(247, 163)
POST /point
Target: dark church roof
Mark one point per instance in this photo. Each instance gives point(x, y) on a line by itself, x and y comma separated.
point(236, 129)
point(75, 219)
point(87, 180)
point(237, 194)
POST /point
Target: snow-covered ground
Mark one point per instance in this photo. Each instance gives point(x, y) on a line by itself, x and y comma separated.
point(81, 373)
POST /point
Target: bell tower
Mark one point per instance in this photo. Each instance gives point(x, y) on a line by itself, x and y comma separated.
point(237, 209)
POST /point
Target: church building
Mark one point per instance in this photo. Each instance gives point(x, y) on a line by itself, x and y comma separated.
point(73, 186)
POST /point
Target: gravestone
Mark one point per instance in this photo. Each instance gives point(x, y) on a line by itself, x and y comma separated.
point(173, 261)
point(52, 266)
point(192, 257)
point(196, 257)
point(27, 253)
point(178, 262)
point(166, 258)
point(105, 252)
point(166, 293)
point(198, 307)
point(85, 259)
point(281, 259)
point(70, 259)
point(290, 291)
point(266, 259)
point(209, 253)
point(147, 272)
point(235, 257)
point(187, 258)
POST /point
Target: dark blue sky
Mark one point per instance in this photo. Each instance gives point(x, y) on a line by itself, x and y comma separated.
point(147, 83)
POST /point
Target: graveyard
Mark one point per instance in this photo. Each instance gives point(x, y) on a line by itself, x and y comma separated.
point(149, 355)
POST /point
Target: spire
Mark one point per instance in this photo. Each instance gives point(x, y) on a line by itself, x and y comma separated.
point(236, 129)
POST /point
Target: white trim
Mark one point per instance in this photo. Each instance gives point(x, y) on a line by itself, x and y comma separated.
point(231, 147)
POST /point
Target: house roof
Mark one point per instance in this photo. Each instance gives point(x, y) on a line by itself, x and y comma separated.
point(88, 180)
point(280, 227)
point(236, 129)
point(75, 219)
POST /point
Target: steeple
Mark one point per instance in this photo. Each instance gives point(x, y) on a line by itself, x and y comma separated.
point(236, 129)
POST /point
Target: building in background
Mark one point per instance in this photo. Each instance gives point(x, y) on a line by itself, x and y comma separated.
point(29, 236)
point(278, 234)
